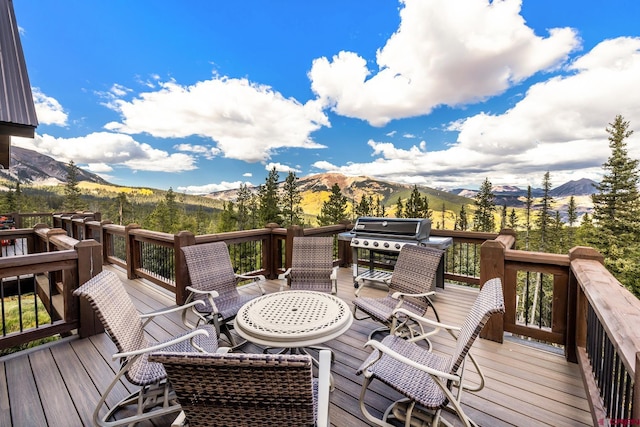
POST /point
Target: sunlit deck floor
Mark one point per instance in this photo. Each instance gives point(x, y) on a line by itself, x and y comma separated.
point(526, 386)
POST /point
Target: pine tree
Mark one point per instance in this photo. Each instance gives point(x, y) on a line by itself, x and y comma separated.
point(426, 212)
point(527, 222)
point(363, 208)
point(334, 210)
point(503, 216)
point(616, 205)
point(572, 217)
point(616, 209)
point(414, 208)
point(399, 208)
point(463, 219)
point(122, 208)
point(291, 198)
point(380, 208)
point(9, 201)
point(544, 214)
point(513, 220)
point(269, 199)
point(72, 201)
point(443, 215)
point(483, 219)
point(227, 220)
point(242, 203)
point(173, 213)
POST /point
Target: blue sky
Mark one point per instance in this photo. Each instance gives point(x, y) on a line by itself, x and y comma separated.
point(204, 95)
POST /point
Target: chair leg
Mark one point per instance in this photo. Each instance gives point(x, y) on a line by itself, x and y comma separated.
point(145, 399)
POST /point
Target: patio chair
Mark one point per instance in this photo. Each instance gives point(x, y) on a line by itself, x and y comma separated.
point(311, 265)
point(426, 379)
point(238, 389)
point(411, 286)
point(125, 326)
point(214, 282)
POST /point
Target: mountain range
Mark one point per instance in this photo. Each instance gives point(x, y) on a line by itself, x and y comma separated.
point(31, 167)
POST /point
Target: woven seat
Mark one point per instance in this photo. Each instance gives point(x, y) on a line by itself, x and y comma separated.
point(214, 282)
point(311, 265)
point(411, 286)
point(430, 382)
point(237, 389)
point(113, 306)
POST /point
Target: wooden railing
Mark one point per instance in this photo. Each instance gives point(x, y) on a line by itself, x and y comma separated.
point(52, 269)
point(587, 311)
point(462, 258)
point(570, 300)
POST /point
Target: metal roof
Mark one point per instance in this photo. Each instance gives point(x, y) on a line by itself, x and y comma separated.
point(17, 111)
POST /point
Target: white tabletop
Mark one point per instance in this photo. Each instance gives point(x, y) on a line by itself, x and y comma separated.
point(293, 319)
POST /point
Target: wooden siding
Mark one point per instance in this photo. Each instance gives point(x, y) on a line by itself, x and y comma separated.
point(527, 385)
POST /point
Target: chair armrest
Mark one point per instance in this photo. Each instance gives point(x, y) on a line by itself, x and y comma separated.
point(399, 295)
point(334, 279)
point(424, 320)
point(180, 421)
point(324, 376)
point(283, 277)
point(164, 311)
point(394, 354)
point(214, 294)
point(160, 346)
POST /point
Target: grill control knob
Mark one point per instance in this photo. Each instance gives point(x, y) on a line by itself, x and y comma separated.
point(366, 243)
point(356, 241)
point(386, 244)
point(375, 244)
point(398, 246)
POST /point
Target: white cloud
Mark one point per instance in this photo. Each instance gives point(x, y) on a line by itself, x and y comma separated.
point(98, 167)
point(207, 151)
point(247, 121)
point(326, 166)
point(108, 148)
point(247, 174)
point(567, 109)
point(48, 109)
point(211, 188)
point(444, 53)
point(281, 168)
point(559, 126)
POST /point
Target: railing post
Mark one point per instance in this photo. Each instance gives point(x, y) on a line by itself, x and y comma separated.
point(182, 239)
point(270, 252)
point(132, 248)
point(89, 264)
point(107, 243)
point(635, 409)
point(292, 231)
point(17, 219)
point(577, 304)
point(344, 247)
point(491, 266)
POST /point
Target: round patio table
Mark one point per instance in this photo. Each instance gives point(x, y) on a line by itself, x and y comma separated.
point(293, 319)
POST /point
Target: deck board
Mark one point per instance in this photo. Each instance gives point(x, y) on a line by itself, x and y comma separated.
point(58, 406)
point(26, 407)
point(526, 385)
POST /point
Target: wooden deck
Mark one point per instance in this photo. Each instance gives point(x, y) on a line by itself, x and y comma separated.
point(58, 385)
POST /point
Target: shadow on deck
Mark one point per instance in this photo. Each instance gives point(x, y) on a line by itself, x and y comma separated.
point(526, 385)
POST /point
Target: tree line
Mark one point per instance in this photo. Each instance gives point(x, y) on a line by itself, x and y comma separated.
point(613, 229)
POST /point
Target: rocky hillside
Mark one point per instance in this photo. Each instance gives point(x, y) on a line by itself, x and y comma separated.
point(31, 167)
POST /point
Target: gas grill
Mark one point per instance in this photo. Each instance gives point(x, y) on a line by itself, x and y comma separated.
point(376, 242)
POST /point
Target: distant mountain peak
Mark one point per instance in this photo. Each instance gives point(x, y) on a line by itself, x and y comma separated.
point(31, 167)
